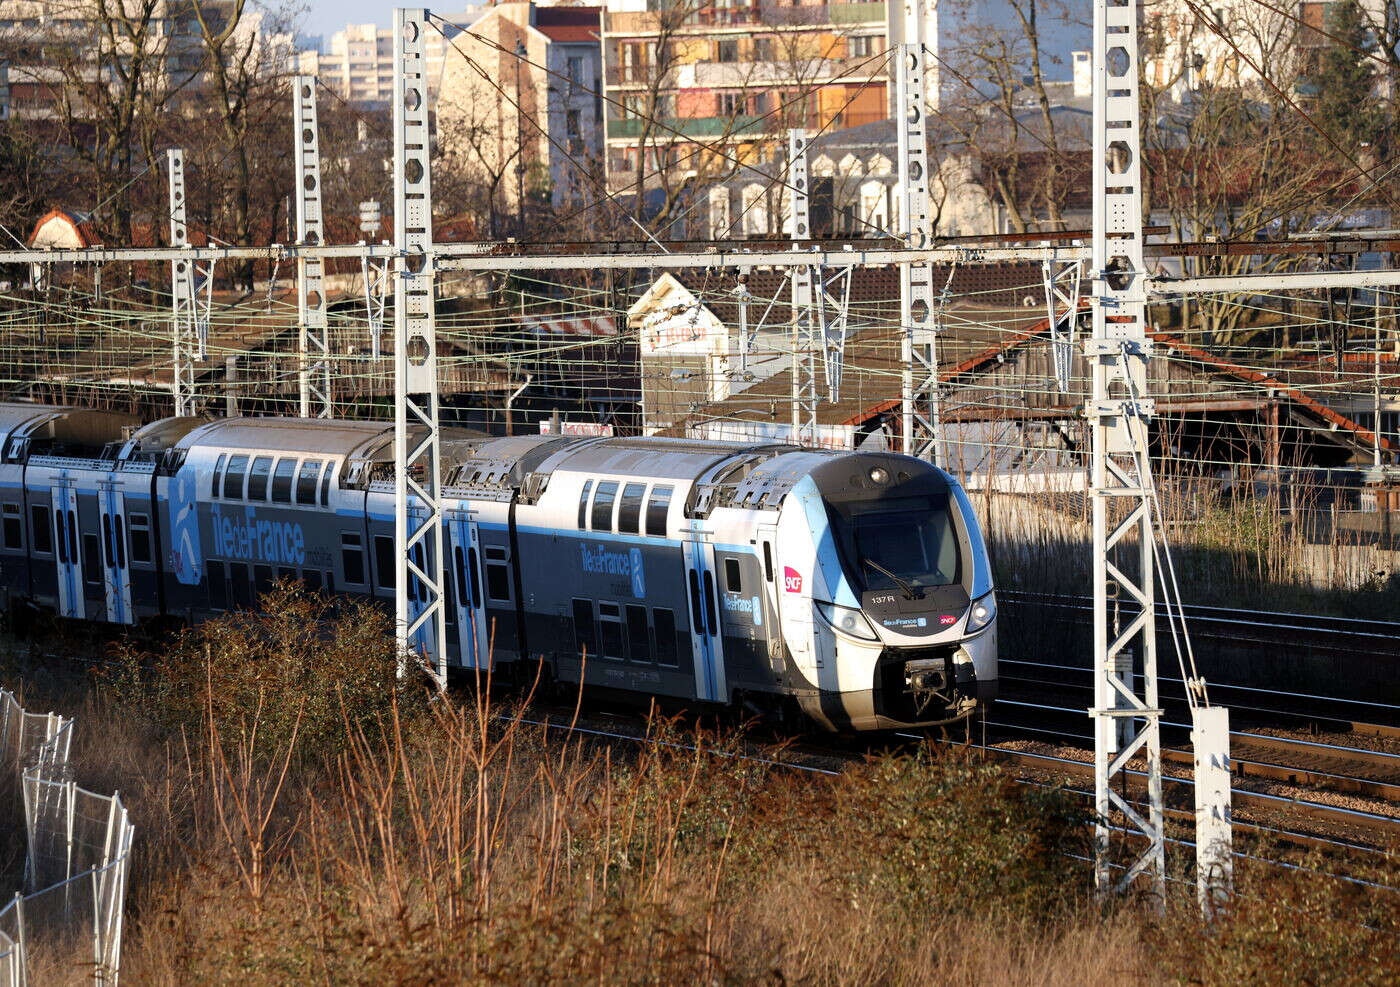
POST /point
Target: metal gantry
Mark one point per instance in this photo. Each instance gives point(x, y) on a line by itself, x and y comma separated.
point(919, 410)
point(189, 314)
point(804, 299)
point(313, 337)
point(1062, 279)
point(418, 580)
point(1126, 713)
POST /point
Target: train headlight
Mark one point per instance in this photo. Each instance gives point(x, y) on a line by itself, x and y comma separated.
point(984, 611)
point(849, 622)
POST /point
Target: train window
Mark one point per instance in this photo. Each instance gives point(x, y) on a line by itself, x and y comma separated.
point(711, 607)
point(663, 621)
point(218, 476)
point(733, 578)
point(352, 557)
point(140, 530)
point(14, 531)
point(108, 557)
point(326, 484)
point(282, 481)
point(497, 579)
point(459, 570)
point(92, 560)
point(233, 477)
point(311, 578)
point(658, 505)
point(72, 536)
point(629, 511)
point(119, 541)
point(330, 582)
point(258, 477)
point(60, 521)
point(583, 504)
point(262, 579)
point(307, 480)
point(768, 562)
point(242, 595)
point(584, 641)
point(603, 499)
point(610, 626)
point(384, 561)
point(218, 589)
point(638, 645)
point(472, 572)
point(697, 615)
point(449, 599)
point(42, 535)
point(286, 573)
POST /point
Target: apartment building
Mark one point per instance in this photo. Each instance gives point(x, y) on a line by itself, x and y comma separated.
point(358, 63)
point(519, 111)
point(734, 75)
point(1182, 53)
point(52, 48)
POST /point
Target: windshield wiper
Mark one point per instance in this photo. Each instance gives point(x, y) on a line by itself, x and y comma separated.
point(905, 587)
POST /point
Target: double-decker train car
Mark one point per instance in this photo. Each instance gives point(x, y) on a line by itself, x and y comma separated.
point(853, 587)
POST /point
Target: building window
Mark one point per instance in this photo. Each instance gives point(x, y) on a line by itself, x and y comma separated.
point(572, 126)
point(732, 104)
point(576, 69)
point(727, 50)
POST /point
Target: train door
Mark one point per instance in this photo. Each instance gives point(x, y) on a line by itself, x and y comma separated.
point(116, 571)
point(472, 637)
point(706, 646)
point(768, 559)
point(66, 550)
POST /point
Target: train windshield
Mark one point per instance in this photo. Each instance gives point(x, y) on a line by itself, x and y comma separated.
point(900, 543)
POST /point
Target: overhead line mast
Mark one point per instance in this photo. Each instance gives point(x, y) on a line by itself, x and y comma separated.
point(313, 343)
point(418, 570)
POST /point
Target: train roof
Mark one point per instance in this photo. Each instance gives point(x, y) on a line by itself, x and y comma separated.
point(275, 434)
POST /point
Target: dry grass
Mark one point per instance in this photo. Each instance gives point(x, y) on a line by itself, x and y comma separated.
point(292, 837)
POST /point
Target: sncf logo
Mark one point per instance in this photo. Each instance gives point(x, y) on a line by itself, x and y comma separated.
point(947, 619)
point(792, 579)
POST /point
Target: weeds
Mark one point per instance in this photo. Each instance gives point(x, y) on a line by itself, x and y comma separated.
point(332, 834)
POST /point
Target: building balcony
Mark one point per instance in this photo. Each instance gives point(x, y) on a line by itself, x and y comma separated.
point(747, 126)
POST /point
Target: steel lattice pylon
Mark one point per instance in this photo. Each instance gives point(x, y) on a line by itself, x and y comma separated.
point(418, 582)
point(313, 344)
point(1126, 717)
point(919, 412)
point(189, 319)
point(804, 289)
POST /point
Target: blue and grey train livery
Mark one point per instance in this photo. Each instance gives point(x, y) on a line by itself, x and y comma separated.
point(853, 587)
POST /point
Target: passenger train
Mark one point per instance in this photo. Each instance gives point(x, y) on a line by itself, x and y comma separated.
point(853, 587)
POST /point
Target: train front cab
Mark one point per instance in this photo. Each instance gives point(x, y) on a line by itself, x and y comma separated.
point(886, 594)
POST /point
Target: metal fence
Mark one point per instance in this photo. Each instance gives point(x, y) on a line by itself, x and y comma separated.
point(78, 849)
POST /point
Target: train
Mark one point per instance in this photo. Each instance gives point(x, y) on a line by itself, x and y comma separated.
point(851, 589)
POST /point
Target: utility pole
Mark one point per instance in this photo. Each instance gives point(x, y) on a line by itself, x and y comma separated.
point(313, 339)
point(919, 411)
point(418, 578)
point(804, 357)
